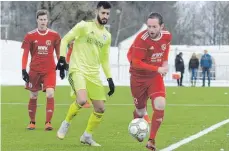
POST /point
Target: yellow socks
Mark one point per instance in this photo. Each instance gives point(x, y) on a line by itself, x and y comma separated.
point(72, 111)
point(93, 121)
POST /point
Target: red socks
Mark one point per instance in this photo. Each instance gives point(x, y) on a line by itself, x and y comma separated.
point(156, 122)
point(32, 108)
point(49, 109)
point(135, 114)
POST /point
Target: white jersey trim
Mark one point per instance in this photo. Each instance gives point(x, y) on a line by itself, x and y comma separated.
point(161, 34)
point(42, 34)
point(145, 35)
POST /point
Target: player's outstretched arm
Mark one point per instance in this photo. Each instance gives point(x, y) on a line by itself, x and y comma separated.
point(57, 46)
point(68, 56)
point(165, 64)
point(106, 67)
point(69, 53)
point(25, 48)
point(73, 34)
point(25, 75)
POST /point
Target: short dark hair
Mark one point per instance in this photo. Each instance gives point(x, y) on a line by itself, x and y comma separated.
point(104, 4)
point(156, 15)
point(42, 12)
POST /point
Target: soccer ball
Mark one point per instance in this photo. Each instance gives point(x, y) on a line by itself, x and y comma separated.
point(138, 128)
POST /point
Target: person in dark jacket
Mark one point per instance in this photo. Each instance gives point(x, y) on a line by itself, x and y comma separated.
point(179, 65)
point(193, 67)
point(206, 64)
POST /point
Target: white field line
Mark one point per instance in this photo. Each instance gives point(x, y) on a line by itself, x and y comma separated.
point(185, 105)
point(178, 144)
point(195, 136)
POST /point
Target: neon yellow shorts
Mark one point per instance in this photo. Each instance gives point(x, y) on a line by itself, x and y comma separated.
point(78, 82)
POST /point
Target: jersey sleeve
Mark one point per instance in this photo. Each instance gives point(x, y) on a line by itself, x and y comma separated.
point(129, 53)
point(69, 53)
point(26, 42)
point(105, 59)
point(166, 54)
point(77, 31)
point(139, 50)
point(25, 48)
point(57, 46)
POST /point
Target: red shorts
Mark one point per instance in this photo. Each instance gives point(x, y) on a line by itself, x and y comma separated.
point(41, 81)
point(144, 88)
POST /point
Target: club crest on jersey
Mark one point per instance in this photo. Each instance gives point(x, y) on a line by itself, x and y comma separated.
point(48, 42)
point(163, 47)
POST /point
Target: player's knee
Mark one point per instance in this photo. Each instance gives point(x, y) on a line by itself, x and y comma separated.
point(141, 112)
point(100, 109)
point(159, 103)
point(49, 92)
point(33, 95)
point(81, 97)
point(98, 106)
point(81, 102)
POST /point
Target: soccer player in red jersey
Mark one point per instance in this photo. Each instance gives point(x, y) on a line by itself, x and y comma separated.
point(149, 63)
point(40, 43)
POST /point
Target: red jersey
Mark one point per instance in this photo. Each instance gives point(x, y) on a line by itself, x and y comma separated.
point(146, 54)
point(41, 45)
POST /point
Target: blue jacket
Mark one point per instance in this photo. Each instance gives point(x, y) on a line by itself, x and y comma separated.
point(206, 61)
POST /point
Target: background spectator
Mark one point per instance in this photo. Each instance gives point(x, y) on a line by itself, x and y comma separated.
point(206, 64)
point(179, 65)
point(193, 67)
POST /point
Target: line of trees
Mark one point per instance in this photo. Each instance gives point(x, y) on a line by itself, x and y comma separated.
point(191, 23)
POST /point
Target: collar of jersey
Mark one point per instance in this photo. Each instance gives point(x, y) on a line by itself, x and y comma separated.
point(99, 26)
point(42, 33)
point(158, 37)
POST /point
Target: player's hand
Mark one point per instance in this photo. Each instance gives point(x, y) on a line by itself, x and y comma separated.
point(163, 70)
point(67, 67)
point(111, 86)
point(62, 66)
point(25, 75)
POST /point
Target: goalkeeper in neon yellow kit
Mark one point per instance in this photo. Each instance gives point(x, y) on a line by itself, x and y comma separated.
point(91, 48)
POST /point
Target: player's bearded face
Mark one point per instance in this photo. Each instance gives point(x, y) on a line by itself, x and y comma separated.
point(42, 22)
point(103, 15)
point(154, 28)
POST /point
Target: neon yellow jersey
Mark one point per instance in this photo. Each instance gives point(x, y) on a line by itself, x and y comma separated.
point(90, 50)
